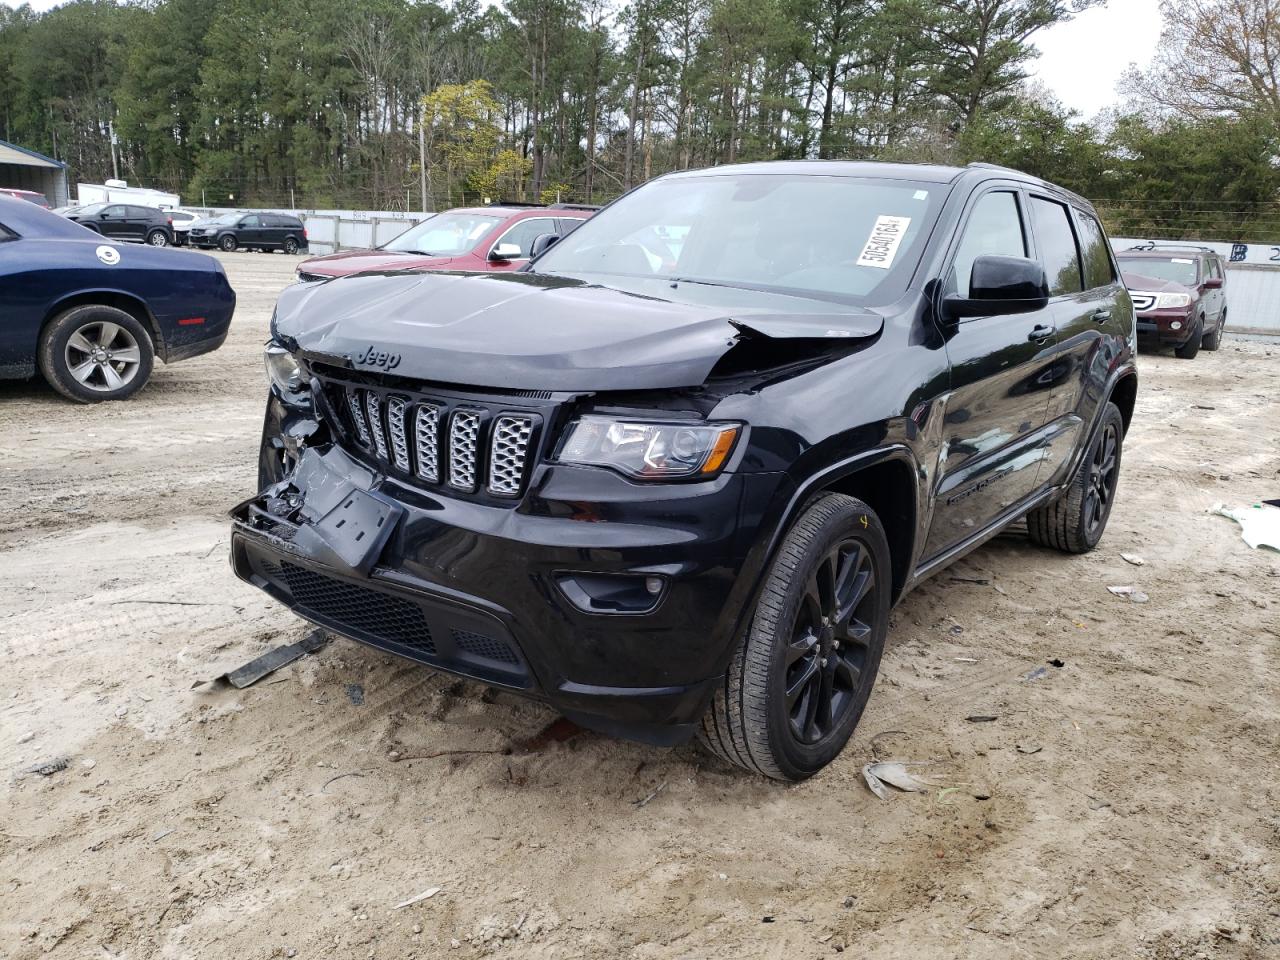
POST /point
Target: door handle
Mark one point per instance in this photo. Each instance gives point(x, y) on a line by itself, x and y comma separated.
point(1040, 332)
point(1101, 316)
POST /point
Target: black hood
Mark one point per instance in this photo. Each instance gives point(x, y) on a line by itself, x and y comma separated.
point(539, 332)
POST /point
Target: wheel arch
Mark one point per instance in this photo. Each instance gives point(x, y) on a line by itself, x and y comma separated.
point(130, 304)
point(890, 488)
point(1124, 394)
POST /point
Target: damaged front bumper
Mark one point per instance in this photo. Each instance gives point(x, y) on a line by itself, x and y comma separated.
point(621, 615)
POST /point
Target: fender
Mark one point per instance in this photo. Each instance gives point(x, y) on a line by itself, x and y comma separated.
point(86, 294)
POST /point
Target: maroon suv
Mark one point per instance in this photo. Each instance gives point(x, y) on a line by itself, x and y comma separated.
point(476, 239)
point(1178, 295)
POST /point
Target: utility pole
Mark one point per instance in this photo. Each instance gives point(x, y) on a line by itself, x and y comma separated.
point(422, 161)
point(115, 170)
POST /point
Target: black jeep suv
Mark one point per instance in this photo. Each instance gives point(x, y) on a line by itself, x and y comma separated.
point(672, 477)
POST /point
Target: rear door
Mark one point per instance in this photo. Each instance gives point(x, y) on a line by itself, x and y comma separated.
point(1001, 380)
point(1088, 302)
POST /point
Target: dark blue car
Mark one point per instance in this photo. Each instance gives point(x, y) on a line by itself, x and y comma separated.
point(91, 315)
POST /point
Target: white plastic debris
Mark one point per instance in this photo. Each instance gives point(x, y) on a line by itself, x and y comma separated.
point(1133, 558)
point(424, 895)
point(894, 773)
point(1130, 593)
point(1259, 523)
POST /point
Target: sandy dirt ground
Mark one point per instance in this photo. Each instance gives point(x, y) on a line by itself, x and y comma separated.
point(1125, 804)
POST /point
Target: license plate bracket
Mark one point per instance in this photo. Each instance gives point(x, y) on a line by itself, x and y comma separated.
point(353, 533)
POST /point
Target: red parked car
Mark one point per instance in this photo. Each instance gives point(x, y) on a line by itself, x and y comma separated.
point(37, 198)
point(476, 239)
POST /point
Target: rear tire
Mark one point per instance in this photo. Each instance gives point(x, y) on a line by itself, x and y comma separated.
point(94, 353)
point(801, 677)
point(1211, 341)
point(157, 238)
point(1189, 349)
point(1074, 523)
point(227, 243)
point(290, 246)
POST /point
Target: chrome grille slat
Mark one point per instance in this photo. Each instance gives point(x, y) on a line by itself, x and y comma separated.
point(464, 434)
point(507, 454)
point(426, 435)
point(395, 432)
point(357, 416)
point(374, 405)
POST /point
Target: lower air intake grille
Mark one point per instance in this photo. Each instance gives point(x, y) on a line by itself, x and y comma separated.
point(478, 645)
point(380, 615)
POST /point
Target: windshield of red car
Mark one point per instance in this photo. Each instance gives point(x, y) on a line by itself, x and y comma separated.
point(1178, 269)
point(840, 238)
point(444, 235)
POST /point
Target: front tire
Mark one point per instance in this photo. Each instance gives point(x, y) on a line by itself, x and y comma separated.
point(158, 238)
point(1075, 521)
point(1211, 341)
point(1189, 349)
point(227, 243)
point(801, 677)
point(94, 353)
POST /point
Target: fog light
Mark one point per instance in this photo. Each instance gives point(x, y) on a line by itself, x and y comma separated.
point(653, 585)
point(1176, 325)
point(612, 592)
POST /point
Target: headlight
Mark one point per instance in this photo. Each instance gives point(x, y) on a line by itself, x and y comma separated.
point(1172, 300)
point(282, 368)
point(650, 450)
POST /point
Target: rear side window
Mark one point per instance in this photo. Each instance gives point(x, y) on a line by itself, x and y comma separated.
point(293, 223)
point(994, 228)
point(1097, 255)
point(1057, 246)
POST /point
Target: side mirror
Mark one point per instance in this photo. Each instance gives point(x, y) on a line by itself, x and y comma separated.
point(505, 251)
point(243, 223)
point(541, 242)
point(1001, 286)
point(102, 215)
point(1213, 283)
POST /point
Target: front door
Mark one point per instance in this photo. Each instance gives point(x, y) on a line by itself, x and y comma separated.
point(113, 223)
point(1001, 380)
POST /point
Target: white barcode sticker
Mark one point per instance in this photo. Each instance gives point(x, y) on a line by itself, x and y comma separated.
point(882, 245)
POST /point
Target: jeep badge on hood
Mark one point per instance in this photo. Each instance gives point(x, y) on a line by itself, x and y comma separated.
point(373, 357)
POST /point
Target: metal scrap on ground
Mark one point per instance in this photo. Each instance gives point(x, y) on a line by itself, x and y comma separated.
point(269, 662)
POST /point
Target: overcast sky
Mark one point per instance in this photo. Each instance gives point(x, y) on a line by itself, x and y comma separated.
point(1080, 61)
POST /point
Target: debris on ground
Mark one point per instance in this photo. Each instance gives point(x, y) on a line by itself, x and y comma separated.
point(268, 663)
point(1130, 593)
point(1133, 558)
point(644, 800)
point(355, 693)
point(894, 773)
point(1039, 673)
point(1259, 523)
point(47, 768)
point(1029, 748)
point(982, 718)
point(424, 895)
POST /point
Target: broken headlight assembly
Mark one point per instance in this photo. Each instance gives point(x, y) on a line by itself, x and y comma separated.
point(283, 368)
point(651, 450)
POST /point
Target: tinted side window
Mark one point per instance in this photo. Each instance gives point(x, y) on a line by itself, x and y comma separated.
point(994, 227)
point(115, 211)
point(1097, 255)
point(526, 231)
point(250, 222)
point(1057, 246)
point(290, 223)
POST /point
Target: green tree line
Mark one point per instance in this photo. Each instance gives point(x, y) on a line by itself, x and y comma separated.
point(393, 104)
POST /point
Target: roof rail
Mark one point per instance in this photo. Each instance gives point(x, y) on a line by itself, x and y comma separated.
point(1152, 245)
point(513, 203)
point(575, 206)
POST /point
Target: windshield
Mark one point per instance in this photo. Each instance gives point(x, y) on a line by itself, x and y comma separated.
point(444, 235)
point(1178, 269)
point(840, 238)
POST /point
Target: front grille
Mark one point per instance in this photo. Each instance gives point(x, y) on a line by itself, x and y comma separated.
point(473, 445)
point(487, 648)
point(510, 448)
point(366, 611)
point(1143, 301)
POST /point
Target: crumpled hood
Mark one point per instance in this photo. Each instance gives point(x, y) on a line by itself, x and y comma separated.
point(538, 332)
point(360, 261)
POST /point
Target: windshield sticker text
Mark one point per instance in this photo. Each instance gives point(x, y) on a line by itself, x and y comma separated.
point(882, 245)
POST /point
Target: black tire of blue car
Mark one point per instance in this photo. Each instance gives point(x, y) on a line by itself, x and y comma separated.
point(158, 238)
point(801, 677)
point(290, 246)
point(1189, 349)
point(94, 353)
point(1075, 521)
point(1213, 340)
point(227, 242)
